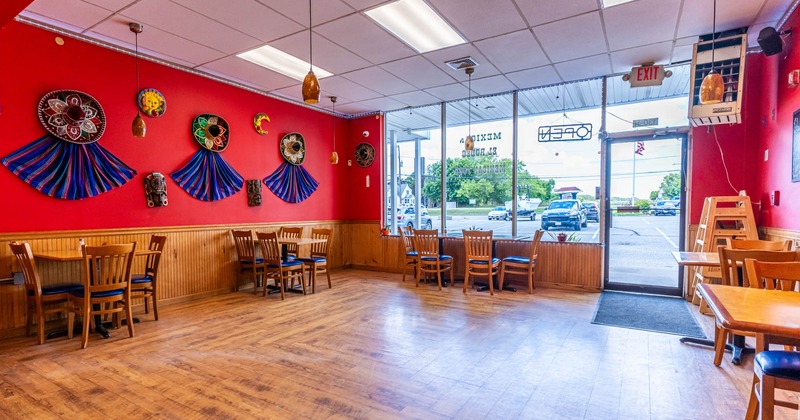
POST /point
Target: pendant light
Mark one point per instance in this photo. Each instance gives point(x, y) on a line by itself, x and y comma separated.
point(469, 142)
point(713, 87)
point(334, 155)
point(137, 127)
point(310, 83)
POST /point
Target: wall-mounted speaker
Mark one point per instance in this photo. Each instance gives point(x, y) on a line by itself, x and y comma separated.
point(770, 41)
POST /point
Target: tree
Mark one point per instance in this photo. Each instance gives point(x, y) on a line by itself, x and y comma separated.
point(671, 185)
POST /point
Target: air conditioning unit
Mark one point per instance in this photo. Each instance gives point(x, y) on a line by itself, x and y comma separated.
point(729, 56)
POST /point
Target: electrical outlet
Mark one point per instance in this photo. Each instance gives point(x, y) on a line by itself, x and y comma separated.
point(766, 155)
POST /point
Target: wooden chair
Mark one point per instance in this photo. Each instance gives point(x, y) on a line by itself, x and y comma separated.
point(147, 283)
point(410, 255)
point(291, 232)
point(41, 301)
point(758, 244)
point(280, 271)
point(426, 242)
point(317, 261)
point(522, 265)
point(106, 287)
point(249, 264)
point(480, 262)
point(731, 263)
point(775, 369)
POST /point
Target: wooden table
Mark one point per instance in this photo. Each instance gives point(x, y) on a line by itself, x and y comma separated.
point(70, 255)
point(773, 315)
point(699, 259)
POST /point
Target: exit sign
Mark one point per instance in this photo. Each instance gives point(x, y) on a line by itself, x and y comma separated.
point(647, 76)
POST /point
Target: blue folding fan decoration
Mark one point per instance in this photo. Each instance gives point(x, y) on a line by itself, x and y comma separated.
point(291, 182)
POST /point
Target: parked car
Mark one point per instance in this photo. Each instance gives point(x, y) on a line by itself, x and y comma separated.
point(592, 212)
point(406, 217)
point(664, 207)
point(498, 213)
point(568, 213)
point(526, 208)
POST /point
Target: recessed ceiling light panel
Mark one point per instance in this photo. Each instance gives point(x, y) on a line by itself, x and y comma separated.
point(281, 62)
point(610, 3)
point(416, 24)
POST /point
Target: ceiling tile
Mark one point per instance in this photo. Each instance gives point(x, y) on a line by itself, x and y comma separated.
point(479, 19)
point(365, 4)
point(624, 60)
point(327, 55)
point(75, 13)
point(697, 16)
point(340, 86)
point(449, 92)
point(418, 71)
point(114, 5)
point(247, 16)
point(362, 36)
point(544, 11)
point(153, 41)
point(353, 108)
point(571, 38)
point(772, 11)
point(379, 80)
point(251, 73)
point(415, 98)
point(515, 51)
point(382, 104)
point(322, 11)
point(540, 76)
point(489, 85)
point(585, 68)
point(655, 21)
point(178, 20)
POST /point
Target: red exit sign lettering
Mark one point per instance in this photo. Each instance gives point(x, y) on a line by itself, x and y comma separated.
point(647, 76)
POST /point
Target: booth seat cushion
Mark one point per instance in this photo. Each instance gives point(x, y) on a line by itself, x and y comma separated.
point(441, 258)
point(494, 261)
point(141, 278)
point(107, 293)
point(782, 364)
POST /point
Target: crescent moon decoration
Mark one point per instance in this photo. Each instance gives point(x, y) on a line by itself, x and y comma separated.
point(258, 123)
point(207, 176)
point(291, 182)
point(69, 163)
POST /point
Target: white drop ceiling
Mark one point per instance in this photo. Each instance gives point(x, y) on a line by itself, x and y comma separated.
point(519, 44)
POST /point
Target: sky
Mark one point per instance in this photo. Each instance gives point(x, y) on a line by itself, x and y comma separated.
point(574, 163)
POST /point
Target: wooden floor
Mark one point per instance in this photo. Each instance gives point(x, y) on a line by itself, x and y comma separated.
point(373, 347)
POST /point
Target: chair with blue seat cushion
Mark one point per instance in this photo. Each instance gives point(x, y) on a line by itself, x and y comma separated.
point(249, 264)
point(776, 370)
point(409, 254)
point(106, 287)
point(523, 265)
point(146, 283)
point(280, 271)
point(293, 233)
point(317, 261)
point(41, 300)
point(429, 261)
point(480, 259)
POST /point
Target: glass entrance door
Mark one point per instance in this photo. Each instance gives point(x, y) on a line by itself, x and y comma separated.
point(644, 212)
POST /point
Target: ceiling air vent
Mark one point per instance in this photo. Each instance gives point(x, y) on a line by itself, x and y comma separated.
point(462, 63)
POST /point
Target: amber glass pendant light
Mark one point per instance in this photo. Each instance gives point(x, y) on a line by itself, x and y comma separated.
point(138, 127)
point(713, 87)
point(334, 155)
point(469, 142)
point(310, 83)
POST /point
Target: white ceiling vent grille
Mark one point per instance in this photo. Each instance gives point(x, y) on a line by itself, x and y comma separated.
point(462, 63)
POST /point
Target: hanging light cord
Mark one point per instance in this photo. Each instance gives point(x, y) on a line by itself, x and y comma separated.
point(137, 68)
point(469, 104)
point(310, 44)
point(713, 34)
point(334, 123)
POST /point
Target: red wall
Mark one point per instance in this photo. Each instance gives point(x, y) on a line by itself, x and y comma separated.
point(39, 65)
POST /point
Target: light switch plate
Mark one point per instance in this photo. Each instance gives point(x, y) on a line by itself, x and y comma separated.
point(766, 155)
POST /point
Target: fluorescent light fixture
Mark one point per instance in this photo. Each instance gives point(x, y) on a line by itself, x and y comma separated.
point(285, 64)
point(416, 24)
point(610, 3)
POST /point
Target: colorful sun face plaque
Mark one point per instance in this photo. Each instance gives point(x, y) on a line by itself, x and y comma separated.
point(365, 154)
point(72, 116)
point(260, 123)
point(152, 102)
point(293, 148)
point(253, 192)
point(211, 131)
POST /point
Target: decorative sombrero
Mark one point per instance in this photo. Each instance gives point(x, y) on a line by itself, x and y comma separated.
point(211, 131)
point(293, 148)
point(72, 116)
point(365, 154)
point(152, 102)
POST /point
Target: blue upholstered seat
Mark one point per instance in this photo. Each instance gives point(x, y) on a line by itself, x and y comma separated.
point(441, 258)
point(286, 263)
point(141, 278)
point(58, 289)
point(485, 262)
point(411, 254)
point(107, 293)
point(258, 261)
point(312, 259)
point(781, 364)
point(518, 260)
